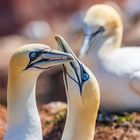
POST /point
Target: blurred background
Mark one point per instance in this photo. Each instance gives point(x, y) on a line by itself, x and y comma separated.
point(24, 21)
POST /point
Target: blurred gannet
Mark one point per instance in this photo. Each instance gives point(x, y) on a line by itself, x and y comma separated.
point(117, 69)
point(37, 30)
point(24, 68)
point(82, 96)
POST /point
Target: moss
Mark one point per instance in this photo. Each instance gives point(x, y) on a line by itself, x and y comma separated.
point(61, 115)
point(123, 119)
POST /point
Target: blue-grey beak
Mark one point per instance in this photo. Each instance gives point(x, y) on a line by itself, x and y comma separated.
point(74, 69)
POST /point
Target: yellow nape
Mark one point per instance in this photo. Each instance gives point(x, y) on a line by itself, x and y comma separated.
point(20, 58)
point(103, 15)
point(91, 96)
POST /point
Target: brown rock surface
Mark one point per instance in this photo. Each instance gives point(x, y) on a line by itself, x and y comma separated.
point(53, 116)
point(3, 119)
point(126, 127)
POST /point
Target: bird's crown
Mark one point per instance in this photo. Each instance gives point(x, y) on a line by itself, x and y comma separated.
point(102, 15)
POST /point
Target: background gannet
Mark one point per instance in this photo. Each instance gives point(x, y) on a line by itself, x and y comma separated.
point(24, 68)
point(117, 69)
point(82, 96)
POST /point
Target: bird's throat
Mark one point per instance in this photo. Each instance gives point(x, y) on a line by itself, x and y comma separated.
point(23, 118)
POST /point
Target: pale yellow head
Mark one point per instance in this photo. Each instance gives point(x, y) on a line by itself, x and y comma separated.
point(32, 59)
point(102, 25)
point(103, 15)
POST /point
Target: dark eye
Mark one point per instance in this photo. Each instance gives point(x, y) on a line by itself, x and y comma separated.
point(33, 55)
point(85, 76)
point(101, 29)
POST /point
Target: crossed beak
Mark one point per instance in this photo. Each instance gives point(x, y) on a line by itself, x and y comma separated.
point(72, 69)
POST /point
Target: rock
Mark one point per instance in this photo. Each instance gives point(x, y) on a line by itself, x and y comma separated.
point(3, 120)
point(53, 117)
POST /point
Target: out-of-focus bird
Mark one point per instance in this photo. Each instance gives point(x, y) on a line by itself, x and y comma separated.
point(25, 66)
point(37, 30)
point(116, 69)
point(83, 98)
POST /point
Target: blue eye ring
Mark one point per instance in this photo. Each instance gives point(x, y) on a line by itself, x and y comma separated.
point(33, 55)
point(85, 76)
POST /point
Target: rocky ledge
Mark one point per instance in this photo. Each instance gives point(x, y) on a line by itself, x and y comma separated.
point(125, 126)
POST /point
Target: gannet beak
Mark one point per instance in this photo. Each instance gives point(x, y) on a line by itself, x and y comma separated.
point(91, 37)
point(86, 44)
point(47, 58)
point(63, 46)
point(73, 69)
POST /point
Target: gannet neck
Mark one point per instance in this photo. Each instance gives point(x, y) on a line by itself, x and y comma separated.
point(81, 121)
point(78, 126)
point(23, 119)
point(106, 46)
point(82, 111)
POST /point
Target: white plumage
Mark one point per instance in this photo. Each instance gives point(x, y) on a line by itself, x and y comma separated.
point(117, 69)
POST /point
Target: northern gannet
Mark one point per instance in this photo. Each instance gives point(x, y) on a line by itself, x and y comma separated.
point(82, 96)
point(116, 69)
point(25, 66)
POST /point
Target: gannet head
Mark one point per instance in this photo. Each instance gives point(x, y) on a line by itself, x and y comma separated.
point(81, 85)
point(101, 22)
point(32, 59)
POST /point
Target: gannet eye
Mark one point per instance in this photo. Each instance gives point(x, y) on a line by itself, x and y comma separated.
point(85, 76)
point(101, 29)
point(33, 55)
